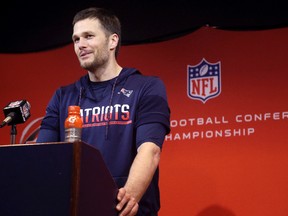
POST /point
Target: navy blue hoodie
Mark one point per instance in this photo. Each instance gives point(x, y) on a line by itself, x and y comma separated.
point(111, 120)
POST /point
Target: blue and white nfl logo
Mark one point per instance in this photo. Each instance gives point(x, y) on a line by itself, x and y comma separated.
point(204, 80)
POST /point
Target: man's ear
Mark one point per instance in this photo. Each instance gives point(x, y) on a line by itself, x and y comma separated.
point(114, 40)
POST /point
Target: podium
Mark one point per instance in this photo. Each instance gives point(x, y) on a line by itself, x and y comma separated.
point(56, 179)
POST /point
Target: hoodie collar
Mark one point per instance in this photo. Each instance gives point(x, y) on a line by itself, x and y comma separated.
point(83, 84)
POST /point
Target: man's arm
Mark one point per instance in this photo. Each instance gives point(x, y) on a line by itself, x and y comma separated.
point(140, 176)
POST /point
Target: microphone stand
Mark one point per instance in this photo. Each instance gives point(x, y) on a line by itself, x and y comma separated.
point(13, 134)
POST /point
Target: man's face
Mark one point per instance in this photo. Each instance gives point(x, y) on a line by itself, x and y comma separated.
point(91, 44)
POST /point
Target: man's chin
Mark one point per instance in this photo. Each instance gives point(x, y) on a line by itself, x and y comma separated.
point(85, 65)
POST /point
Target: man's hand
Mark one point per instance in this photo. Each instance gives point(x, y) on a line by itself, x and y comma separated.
point(140, 176)
point(127, 204)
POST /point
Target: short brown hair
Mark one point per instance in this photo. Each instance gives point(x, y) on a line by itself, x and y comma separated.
point(108, 20)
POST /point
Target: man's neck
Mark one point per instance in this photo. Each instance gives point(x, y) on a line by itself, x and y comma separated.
point(104, 74)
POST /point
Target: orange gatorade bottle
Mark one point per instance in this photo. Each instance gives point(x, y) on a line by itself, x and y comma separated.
point(73, 125)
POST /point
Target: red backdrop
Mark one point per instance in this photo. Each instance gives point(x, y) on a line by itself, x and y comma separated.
point(227, 156)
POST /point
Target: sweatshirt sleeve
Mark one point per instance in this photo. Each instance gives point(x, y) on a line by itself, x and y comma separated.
point(153, 105)
point(50, 129)
point(154, 132)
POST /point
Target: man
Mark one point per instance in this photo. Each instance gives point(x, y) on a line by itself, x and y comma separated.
point(125, 114)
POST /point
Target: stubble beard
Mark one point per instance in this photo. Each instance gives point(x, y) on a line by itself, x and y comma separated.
point(97, 62)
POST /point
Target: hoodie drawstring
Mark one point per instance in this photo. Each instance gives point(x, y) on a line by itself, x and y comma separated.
point(80, 96)
point(110, 104)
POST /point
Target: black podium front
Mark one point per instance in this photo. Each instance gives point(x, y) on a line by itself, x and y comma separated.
point(55, 179)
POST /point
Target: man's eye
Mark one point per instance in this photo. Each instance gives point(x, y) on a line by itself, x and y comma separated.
point(89, 36)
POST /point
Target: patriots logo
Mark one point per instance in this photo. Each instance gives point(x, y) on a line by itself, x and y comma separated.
point(204, 80)
point(126, 92)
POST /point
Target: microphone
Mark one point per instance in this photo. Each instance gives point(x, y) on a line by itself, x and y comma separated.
point(16, 112)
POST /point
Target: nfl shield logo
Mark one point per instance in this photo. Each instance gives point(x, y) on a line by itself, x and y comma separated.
point(204, 80)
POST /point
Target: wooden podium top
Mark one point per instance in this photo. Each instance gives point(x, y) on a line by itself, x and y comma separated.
point(55, 179)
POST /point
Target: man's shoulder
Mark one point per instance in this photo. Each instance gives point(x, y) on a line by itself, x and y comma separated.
point(145, 78)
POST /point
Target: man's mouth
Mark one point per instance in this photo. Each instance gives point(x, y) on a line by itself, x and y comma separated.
point(84, 53)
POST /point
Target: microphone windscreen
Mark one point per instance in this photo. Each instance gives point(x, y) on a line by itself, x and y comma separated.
point(20, 110)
